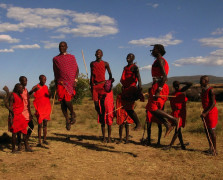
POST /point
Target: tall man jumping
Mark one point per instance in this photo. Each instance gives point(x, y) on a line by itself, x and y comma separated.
point(66, 73)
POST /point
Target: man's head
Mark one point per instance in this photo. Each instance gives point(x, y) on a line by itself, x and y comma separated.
point(23, 80)
point(158, 49)
point(63, 47)
point(204, 80)
point(99, 54)
point(42, 79)
point(176, 85)
point(130, 58)
point(18, 88)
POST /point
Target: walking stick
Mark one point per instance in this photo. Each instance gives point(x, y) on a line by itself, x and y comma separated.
point(205, 126)
point(84, 62)
point(142, 140)
point(53, 102)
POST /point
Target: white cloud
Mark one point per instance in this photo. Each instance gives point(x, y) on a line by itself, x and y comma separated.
point(62, 36)
point(164, 40)
point(212, 42)
point(215, 58)
point(4, 6)
point(218, 31)
point(90, 30)
point(34, 46)
point(154, 5)
point(148, 67)
point(8, 39)
point(6, 50)
point(49, 45)
point(79, 24)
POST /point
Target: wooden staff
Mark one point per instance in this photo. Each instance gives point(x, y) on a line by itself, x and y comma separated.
point(53, 102)
point(84, 62)
point(165, 96)
point(209, 138)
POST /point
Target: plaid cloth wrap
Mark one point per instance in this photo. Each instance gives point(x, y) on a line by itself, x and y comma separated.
point(65, 70)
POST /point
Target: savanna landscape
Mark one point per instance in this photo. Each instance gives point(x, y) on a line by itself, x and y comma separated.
point(80, 154)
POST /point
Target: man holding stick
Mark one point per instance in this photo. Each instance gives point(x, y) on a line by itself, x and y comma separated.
point(66, 73)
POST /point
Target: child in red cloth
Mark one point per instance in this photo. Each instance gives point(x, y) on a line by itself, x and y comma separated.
point(122, 119)
point(42, 106)
point(131, 92)
point(178, 106)
point(17, 121)
point(97, 82)
point(210, 113)
point(109, 114)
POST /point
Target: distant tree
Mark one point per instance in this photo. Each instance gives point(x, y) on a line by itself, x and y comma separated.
point(117, 89)
point(82, 89)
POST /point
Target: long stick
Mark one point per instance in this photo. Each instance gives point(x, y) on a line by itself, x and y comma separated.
point(84, 62)
point(53, 102)
point(165, 96)
point(115, 110)
point(205, 125)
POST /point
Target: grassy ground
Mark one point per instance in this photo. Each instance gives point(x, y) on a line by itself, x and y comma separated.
point(85, 157)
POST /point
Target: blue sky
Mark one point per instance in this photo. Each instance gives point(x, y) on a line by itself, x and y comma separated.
point(30, 30)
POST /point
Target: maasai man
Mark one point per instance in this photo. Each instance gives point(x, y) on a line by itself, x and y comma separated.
point(131, 93)
point(66, 73)
point(160, 89)
point(122, 119)
point(26, 111)
point(18, 122)
point(178, 106)
point(97, 82)
point(210, 113)
point(42, 106)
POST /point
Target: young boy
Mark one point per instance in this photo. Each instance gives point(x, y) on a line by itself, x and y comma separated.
point(17, 121)
point(109, 114)
point(178, 106)
point(97, 82)
point(26, 111)
point(42, 106)
point(131, 93)
point(122, 119)
point(209, 114)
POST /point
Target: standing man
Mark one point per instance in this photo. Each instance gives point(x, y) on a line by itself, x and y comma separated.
point(66, 73)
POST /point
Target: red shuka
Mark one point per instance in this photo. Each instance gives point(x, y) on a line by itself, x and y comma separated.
point(19, 121)
point(128, 77)
point(121, 115)
point(109, 108)
point(65, 70)
point(42, 103)
point(178, 106)
point(98, 71)
point(212, 118)
point(156, 71)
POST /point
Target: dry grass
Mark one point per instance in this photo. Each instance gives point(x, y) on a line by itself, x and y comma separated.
point(85, 157)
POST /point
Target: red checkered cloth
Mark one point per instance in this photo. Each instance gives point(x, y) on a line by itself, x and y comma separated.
point(65, 70)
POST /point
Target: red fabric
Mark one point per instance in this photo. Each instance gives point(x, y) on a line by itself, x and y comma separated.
point(151, 118)
point(65, 70)
point(121, 114)
point(98, 71)
point(62, 93)
point(153, 104)
point(19, 121)
point(42, 103)
point(109, 108)
point(25, 97)
point(98, 92)
point(212, 118)
point(128, 77)
point(156, 71)
point(178, 106)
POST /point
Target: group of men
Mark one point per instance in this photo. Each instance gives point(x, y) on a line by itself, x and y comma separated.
point(66, 77)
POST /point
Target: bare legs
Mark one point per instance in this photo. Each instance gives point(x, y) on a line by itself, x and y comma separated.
point(25, 139)
point(126, 131)
point(149, 133)
point(135, 118)
point(68, 105)
point(44, 124)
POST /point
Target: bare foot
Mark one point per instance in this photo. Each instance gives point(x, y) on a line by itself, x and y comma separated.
point(45, 142)
point(119, 142)
point(68, 125)
point(168, 130)
point(137, 127)
point(109, 140)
